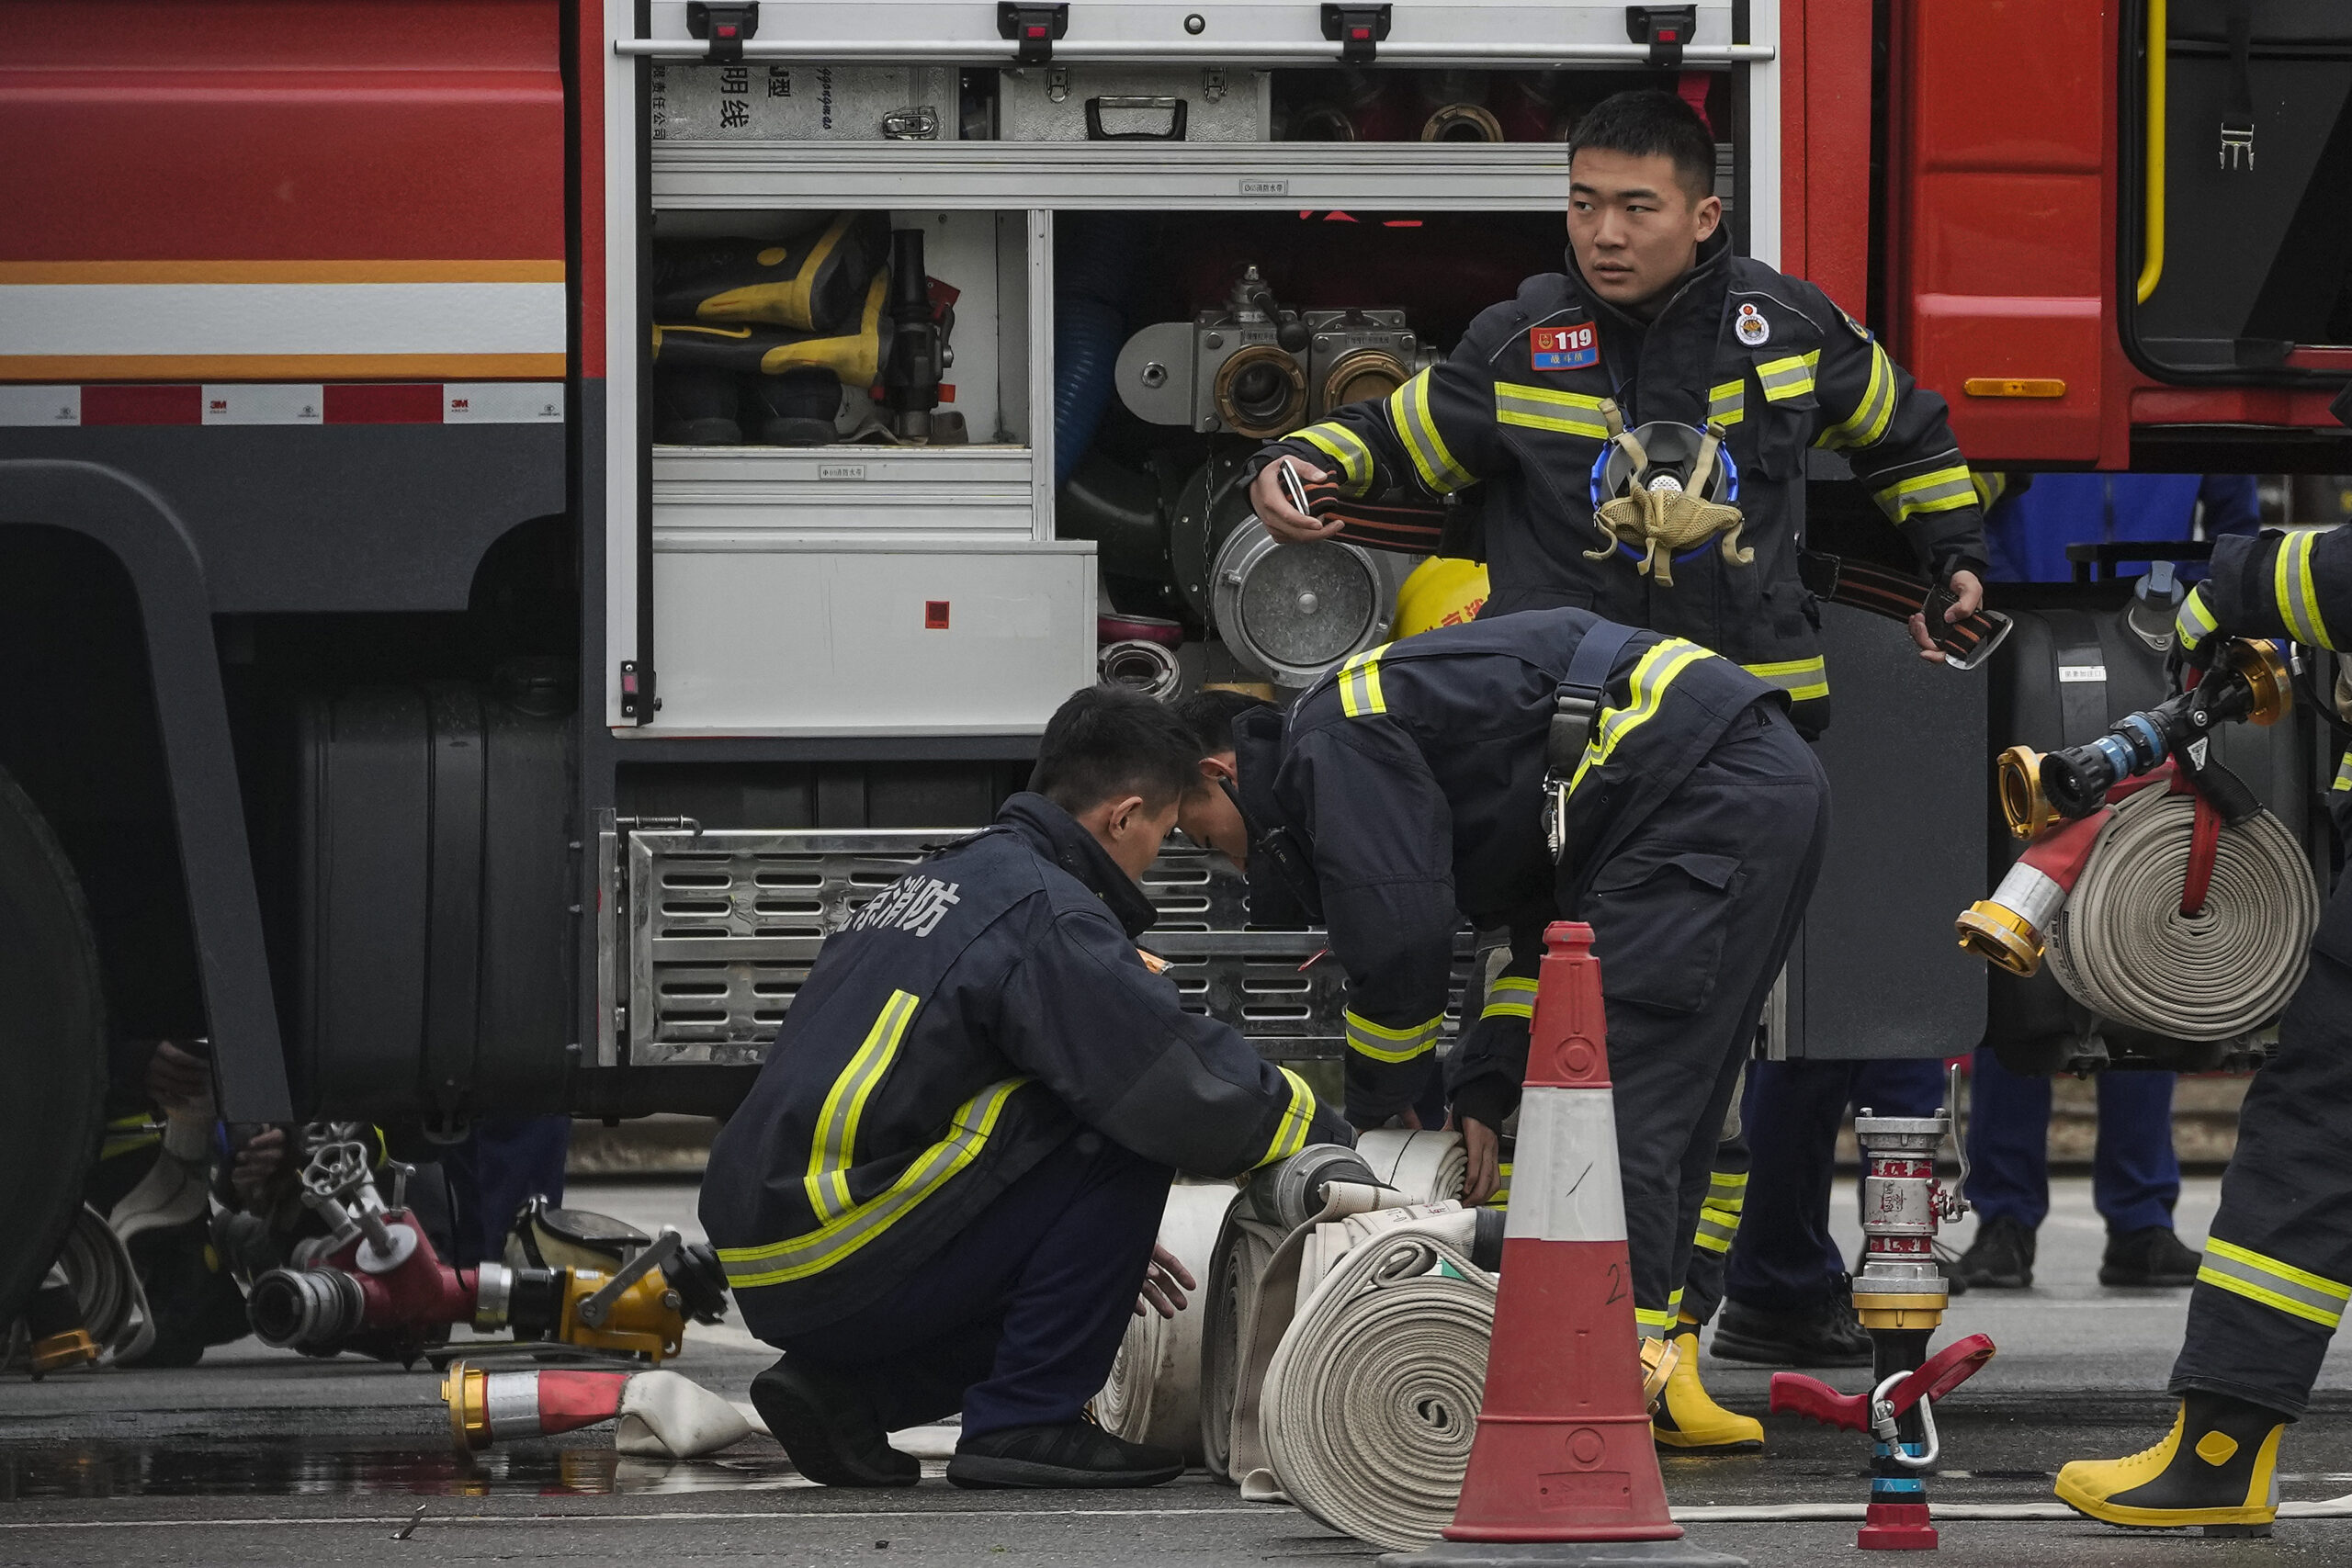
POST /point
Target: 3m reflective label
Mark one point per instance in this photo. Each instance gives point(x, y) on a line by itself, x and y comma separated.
point(1564, 1181)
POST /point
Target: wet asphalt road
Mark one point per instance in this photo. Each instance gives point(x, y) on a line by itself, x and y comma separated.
point(261, 1457)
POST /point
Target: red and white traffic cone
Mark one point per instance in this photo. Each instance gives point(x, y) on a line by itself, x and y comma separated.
point(1563, 1470)
point(486, 1407)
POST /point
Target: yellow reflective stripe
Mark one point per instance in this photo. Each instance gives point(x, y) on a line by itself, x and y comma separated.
point(2298, 1293)
point(1873, 415)
point(1513, 995)
point(1717, 1225)
point(1727, 404)
point(1344, 447)
point(2298, 595)
point(801, 1256)
point(1648, 1318)
point(1547, 408)
point(1289, 1133)
point(833, 1151)
point(2343, 773)
point(1408, 411)
point(1989, 488)
point(1360, 693)
point(1943, 489)
point(1500, 1198)
point(1803, 679)
point(1381, 1043)
point(1784, 379)
point(1651, 676)
point(2195, 621)
point(1727, 1189)
point(129, 1134)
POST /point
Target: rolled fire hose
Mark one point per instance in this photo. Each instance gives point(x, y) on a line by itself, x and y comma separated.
point(114, 1303)
point(1316, 1183)
point(1154, 1394)
point(661, 1415)
point(1372, 1398)
point(2122, 948)
point(1427, 1168)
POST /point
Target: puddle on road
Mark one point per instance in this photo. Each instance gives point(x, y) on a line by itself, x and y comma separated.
point(351, 1468)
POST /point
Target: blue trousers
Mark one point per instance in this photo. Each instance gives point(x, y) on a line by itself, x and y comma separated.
point(508, 1158)
point(2135, 1179)
point(1016, 1320)
point(1784, 1259)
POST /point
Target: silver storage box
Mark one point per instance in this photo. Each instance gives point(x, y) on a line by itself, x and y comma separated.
point(1134, 103)
point(774, 101)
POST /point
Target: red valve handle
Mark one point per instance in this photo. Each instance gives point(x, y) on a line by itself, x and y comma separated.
point(1793, 1394)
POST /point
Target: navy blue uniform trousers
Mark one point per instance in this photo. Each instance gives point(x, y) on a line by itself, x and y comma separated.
point(1017, 1320)
point(2135, 1179)
point(1785, 1259)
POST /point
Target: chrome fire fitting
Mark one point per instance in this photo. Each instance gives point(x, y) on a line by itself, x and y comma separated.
point(1902, 1204)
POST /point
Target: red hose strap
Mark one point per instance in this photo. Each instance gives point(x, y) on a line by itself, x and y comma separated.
point(2204, 840)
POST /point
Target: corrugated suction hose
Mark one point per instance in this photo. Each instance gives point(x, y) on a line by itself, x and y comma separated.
point(2124, 949)
point(1372, 1398)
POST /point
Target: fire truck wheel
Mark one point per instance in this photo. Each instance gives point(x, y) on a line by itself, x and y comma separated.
point(53, 1048)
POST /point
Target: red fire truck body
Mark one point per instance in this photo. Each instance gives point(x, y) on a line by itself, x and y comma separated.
point(324, 576)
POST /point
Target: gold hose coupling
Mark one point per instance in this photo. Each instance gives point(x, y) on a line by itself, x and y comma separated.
point(2001, 938)
point(1659, 1358)
point(466, 1391)
point(2258, 662)
point(2028, 810)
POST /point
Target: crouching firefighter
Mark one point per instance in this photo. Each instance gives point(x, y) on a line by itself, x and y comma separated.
point(1514, 772)
point(2277, 1273)
point(943, 1192)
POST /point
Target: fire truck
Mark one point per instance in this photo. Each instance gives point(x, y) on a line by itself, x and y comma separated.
point(517, 515)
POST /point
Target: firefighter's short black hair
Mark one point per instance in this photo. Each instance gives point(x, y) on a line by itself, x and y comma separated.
point(1646, 123)
point(1209, 714)
point(1108, 742)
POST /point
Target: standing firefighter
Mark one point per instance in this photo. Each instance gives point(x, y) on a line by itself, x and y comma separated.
point(1555, 402)
point(1411, 788)
point(942, 1193)
point(2276, 1274)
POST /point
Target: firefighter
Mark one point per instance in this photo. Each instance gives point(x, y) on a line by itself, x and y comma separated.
point(2277, 1272)
point(943, 1192)
point(1409, 789)
point(1654, 323)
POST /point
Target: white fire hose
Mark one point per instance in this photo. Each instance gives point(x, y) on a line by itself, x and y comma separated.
point(1427, 1168)
point(1372, 1400)
point(2122, 948)
point(1154, 1394)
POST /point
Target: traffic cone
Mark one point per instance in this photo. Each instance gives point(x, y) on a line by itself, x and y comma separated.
point(1563, 1470)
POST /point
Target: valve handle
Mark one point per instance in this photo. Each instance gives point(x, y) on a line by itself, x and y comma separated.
point(1793, 1394)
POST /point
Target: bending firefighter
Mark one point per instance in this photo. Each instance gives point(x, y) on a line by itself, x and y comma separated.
point(942, 1192)
point(1412, 789)
point(2278, 1267)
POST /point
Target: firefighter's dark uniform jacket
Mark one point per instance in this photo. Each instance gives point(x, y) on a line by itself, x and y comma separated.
point(973, 1016)
point(2277, 1277)
point(1767, 356)
point(1416, 774)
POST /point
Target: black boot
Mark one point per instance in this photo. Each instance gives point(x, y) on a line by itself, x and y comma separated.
point(794, 409)
point(1824, 1335)
point(2218, 1467)
point(2151, 1256)
point(1076, 1453)
point(2001, 1257)
point(694, 407)
point(830, 1428)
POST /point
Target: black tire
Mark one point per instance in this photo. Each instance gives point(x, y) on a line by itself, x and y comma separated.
point(53, 1048)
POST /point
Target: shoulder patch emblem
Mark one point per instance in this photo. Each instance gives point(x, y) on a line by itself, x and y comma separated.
point(1752, 328)
point(1859, 330)
point(1572, 348)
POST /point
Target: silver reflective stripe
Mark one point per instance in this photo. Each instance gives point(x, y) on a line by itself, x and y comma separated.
point(1543, 408)
point(2298, 1293)
point(1784, 379)
point(510, 1402)
point(1564, 1181)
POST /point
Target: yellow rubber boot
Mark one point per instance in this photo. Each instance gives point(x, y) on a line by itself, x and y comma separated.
point(2217, 1469)
point(1689, 1419)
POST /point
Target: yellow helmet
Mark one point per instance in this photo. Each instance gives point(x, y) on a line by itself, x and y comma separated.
point(1440, 592)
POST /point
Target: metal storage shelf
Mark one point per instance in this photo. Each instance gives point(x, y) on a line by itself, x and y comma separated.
point(1279, 176)
point(708, 497)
